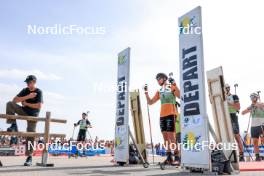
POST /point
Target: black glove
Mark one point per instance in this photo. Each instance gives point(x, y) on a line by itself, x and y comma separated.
point(146, 88)
point(171, 80)
point(178, 104)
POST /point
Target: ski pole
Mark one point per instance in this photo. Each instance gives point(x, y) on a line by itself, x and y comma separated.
point(150, 131)
point(245, 145)
point(262, 135)
point(73, 132)
point(89, 134)
point(248, 122)
point(247, 134)
point(235, 85)
point(258, 92)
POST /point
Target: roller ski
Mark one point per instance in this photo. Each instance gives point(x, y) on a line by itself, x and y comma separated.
point(177, 161)
point(170, 162)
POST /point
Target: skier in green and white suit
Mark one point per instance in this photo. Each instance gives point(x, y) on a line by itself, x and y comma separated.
point(84, 124)
point(234, 107)
point(257, 124)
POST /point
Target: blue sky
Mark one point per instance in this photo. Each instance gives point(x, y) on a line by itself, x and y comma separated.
point(69, 67)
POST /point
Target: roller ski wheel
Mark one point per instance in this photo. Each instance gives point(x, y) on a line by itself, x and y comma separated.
point(121, 163)
point(165, 163)
point(162, 165)
point(176, 164)
point(146, 165)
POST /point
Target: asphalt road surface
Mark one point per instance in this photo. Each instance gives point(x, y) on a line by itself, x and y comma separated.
point(87, 166)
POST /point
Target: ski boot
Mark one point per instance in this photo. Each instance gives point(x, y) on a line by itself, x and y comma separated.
point(241, 157)
point(28, 161)
point(258, 158)
point(167, 161)
point(177, 161)
point(13, 128)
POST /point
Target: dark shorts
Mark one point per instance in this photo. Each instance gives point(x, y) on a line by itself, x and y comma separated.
point(257, 131)
point(81, 135)
point(167, 124)
point(234, 122)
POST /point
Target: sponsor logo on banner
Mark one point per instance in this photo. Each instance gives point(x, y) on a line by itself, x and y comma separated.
point(192, 142)
point(121, 60)
point(189, 25)
point(121, 130)
point(192, 121)
point(120, 143)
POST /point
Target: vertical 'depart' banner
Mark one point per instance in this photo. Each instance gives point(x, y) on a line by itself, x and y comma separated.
point(122, 105)
point(194, 120)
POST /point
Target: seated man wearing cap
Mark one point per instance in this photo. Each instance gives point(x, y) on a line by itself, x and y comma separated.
point(31, 100)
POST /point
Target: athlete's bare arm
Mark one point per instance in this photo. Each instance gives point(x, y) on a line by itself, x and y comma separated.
point(260, 105)
point(152, 100)
point(89, 126)
point(177, 92)
point(246, 111)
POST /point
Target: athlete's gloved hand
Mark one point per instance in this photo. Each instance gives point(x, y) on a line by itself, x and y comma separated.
point(146, 88)
point(171, 80)
point(89, 126)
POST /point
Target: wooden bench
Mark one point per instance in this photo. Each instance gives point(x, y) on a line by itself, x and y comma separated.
point(46, 133)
